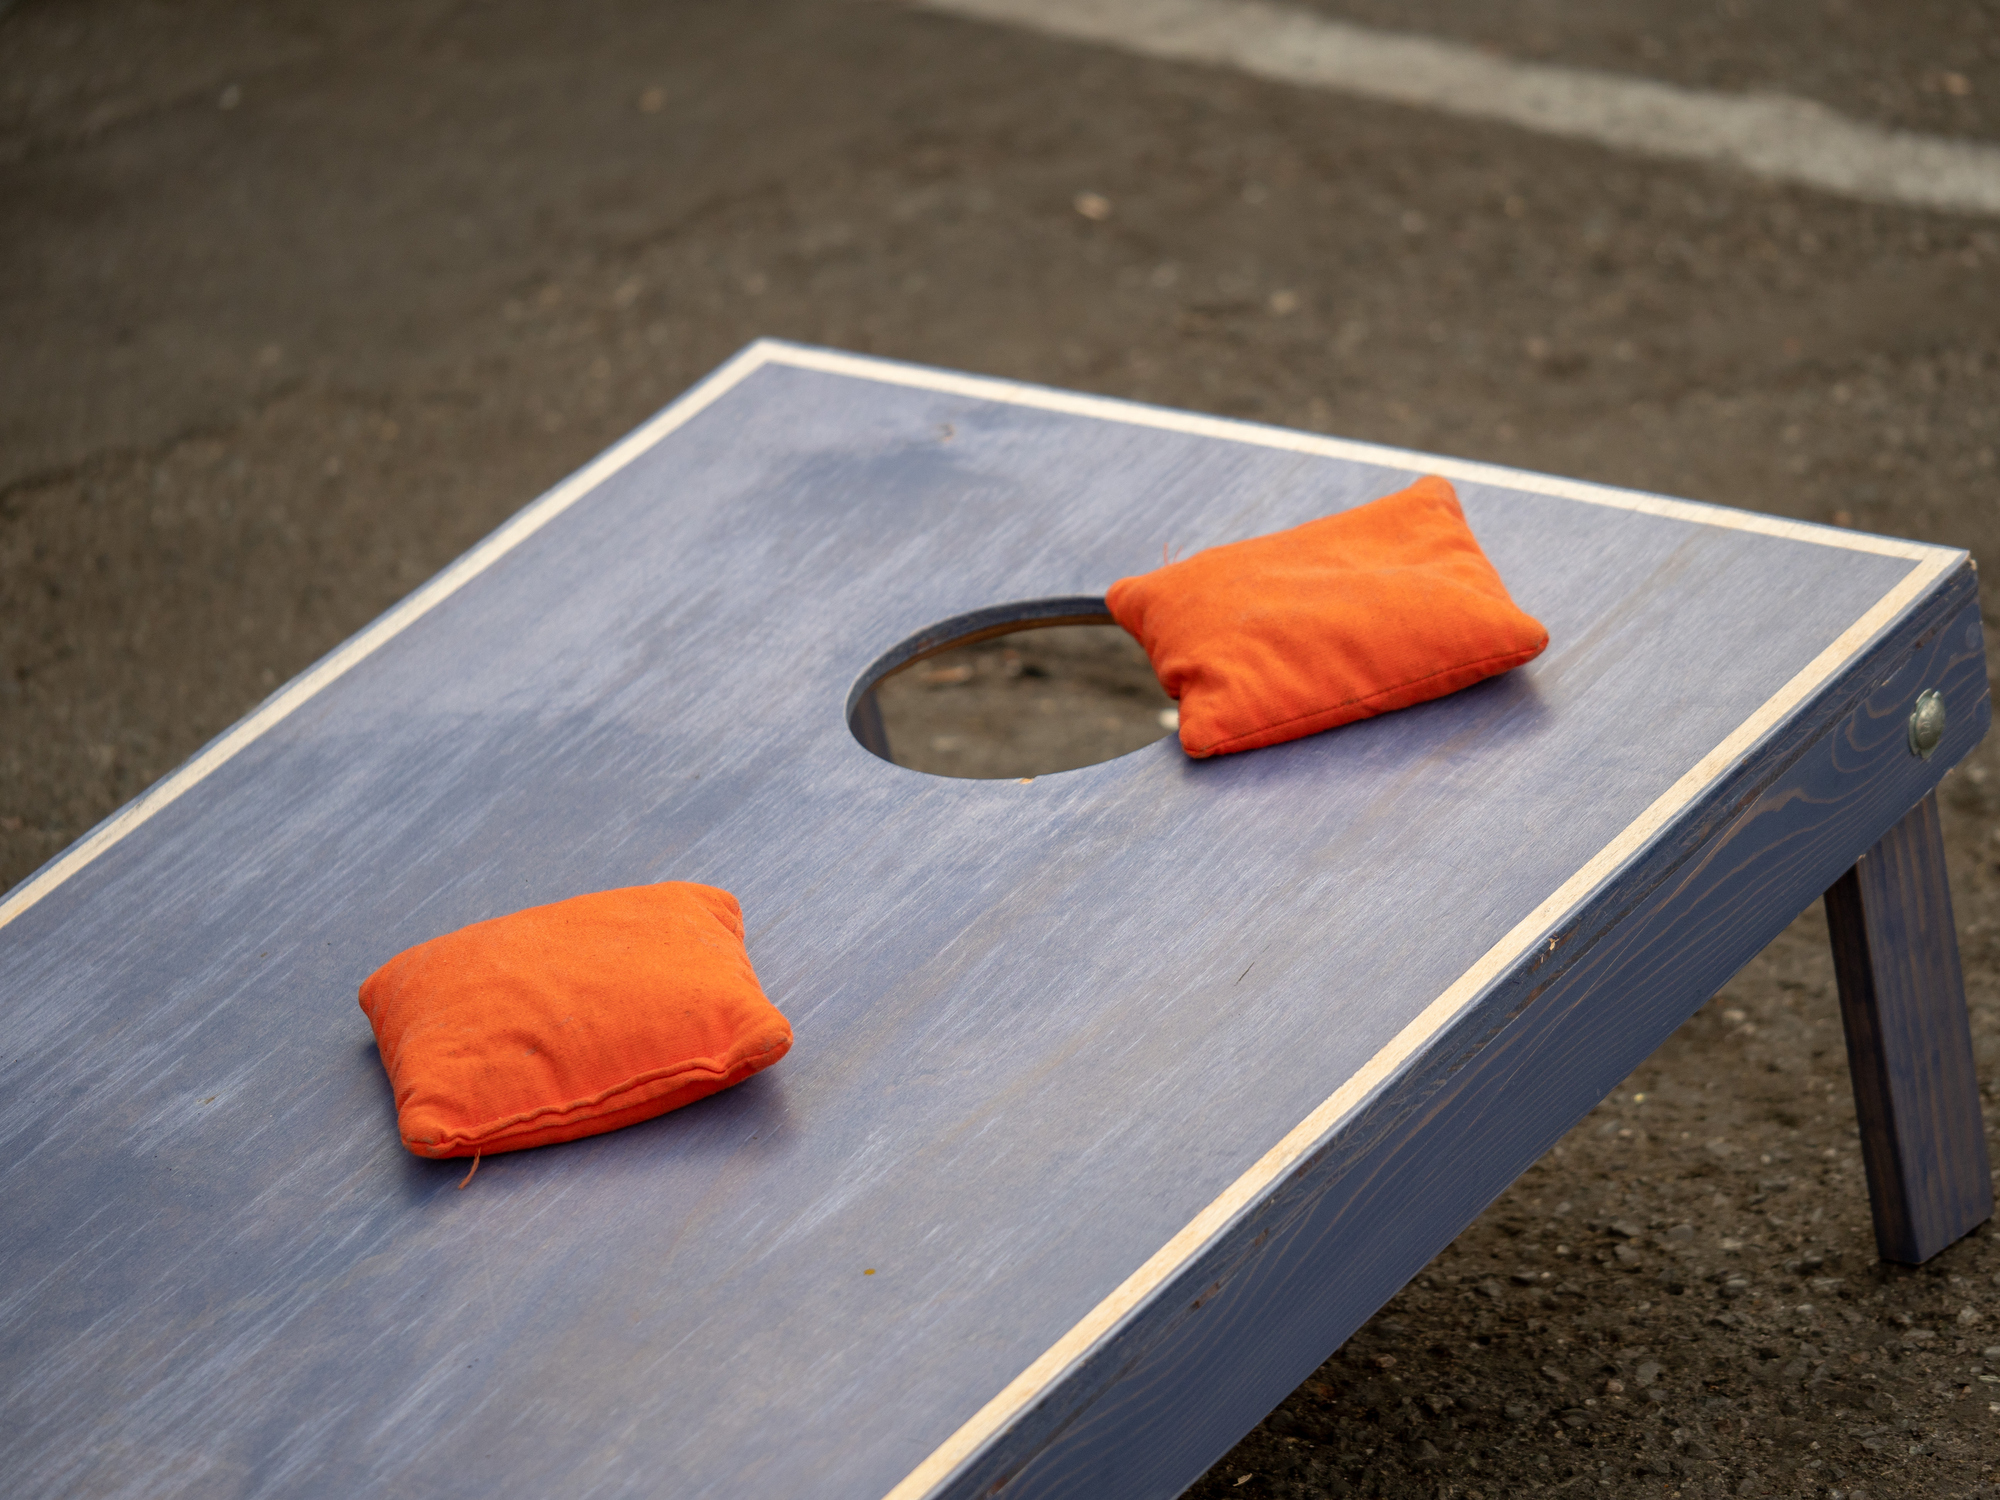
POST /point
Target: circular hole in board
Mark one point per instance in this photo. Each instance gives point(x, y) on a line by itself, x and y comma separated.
point(1024, 689)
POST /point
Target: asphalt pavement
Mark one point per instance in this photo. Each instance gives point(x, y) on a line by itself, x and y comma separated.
point(298, 302)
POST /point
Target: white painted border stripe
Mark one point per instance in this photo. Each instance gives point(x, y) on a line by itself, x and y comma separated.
point(1104, 1319)
point(337, 663)
point(1111, 409)
point(1773, 135)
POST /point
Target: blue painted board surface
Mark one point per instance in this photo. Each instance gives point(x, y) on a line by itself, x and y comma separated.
point(1039, 1027)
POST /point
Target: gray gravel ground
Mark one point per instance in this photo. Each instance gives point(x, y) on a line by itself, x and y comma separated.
point(299, 302)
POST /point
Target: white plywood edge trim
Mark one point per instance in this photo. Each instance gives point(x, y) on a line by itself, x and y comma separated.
point(1104, 1320)
point(1468, 471)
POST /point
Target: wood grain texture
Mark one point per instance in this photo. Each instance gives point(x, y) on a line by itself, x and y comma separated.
point(1041, 1030)
point(1909, 1041)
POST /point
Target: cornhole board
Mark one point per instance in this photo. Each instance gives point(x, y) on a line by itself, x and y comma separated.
point(1119, 1097)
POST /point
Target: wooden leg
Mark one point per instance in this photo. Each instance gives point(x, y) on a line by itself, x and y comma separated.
point(1909, 1043)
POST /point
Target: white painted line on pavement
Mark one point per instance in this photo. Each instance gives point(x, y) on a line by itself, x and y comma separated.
point(1773, 135)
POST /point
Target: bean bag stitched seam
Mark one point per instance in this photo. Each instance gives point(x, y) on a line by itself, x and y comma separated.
point(1364, 699)
point(694, 1071)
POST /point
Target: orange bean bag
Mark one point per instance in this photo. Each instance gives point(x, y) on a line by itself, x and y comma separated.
point(1349, 616)
point(566, 1020)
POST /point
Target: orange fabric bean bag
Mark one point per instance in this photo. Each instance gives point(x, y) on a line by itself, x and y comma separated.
point(566, 1020)
point(1349, 616)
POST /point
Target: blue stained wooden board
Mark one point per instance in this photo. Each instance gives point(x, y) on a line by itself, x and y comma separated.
point(1040, 1028)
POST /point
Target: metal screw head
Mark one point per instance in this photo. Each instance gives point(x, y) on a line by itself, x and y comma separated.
point(1927, 723)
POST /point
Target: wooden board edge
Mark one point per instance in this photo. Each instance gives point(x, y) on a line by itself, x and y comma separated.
point(1230, 429)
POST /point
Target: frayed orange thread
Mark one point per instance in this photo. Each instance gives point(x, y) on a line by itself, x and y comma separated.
point(468, 1175)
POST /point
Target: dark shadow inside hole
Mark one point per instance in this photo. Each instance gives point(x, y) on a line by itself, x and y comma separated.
point(1027, 703)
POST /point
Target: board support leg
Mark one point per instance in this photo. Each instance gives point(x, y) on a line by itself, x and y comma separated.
point(1909, 1041)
